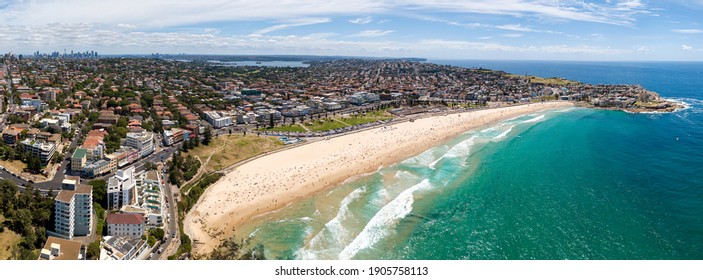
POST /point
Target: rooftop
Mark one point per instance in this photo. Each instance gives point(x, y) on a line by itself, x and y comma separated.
point(68, 250)
point(122, 245)
point(125, 219)
point(66, 195)
point(79, 153)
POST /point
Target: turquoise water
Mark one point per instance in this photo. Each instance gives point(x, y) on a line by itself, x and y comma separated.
point(564, 184)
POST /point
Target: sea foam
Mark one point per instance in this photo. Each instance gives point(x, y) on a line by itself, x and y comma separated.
point(333, 229)
point(385, 220)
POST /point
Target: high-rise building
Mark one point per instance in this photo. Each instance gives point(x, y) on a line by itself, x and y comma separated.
point(120, 188)
point(73, 210)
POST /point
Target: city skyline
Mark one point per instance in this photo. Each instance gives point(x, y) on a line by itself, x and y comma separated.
point(508, 29)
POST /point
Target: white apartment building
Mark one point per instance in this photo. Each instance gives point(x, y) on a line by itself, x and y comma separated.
point(73, 211)
point(143, 141)
point(150, 197)
point(43, 150)
point(120, 188)
point(217, 120)
point(125, 224)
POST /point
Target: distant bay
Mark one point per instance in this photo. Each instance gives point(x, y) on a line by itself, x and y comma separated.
point(261, 63)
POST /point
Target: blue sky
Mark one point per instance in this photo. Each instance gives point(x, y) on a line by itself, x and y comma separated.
point(498, 29)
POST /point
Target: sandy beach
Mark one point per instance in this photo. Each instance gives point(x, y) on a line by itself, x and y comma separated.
point(273, 181)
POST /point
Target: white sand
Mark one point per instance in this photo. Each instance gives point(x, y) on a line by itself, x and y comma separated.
point(270, 182)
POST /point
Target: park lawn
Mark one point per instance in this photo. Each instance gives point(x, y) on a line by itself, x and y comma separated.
point(335, 123)
point(323, 125)
point(8, 241)
point(369, 117)
point(553, 81)
point(546, 81)
point(16, 166)
point(227, 150)
point(287, 128)
point(361, 120)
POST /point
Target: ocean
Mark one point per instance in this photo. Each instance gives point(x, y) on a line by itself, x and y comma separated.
point(562, 184)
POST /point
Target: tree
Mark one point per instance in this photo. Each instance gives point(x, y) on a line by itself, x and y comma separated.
point(207, 138)
point(34, 163)
point(157, 233)
point(185, 146)
point(93, 252)
point(99, 192)
point(150, 166)
point(151, 240)
point(8, 198)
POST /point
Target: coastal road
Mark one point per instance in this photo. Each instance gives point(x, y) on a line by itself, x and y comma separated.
point(173, 240)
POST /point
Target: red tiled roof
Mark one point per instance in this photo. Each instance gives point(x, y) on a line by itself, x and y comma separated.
point(125, 219)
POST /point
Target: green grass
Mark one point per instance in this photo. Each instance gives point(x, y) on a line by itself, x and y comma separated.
point(369, 117)
point(287, 128)
point(334, 122)
point(359, 120)
point(547, 81)
point(324, 124)
point(230, 149)
point(552, 81)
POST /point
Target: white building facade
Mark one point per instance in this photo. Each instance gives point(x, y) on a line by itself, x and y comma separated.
point(142, 141)
point(73, 211)
point(125, 224)
point(120, 188)
point(217, 120)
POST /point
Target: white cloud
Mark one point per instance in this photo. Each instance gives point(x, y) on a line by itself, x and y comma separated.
point(512, 35)
point(127, 26)
point(688, 31)
point(170, 13)
point(644, 49)
point(510, 27)
point(550, 49)
point(686, 48)
point(515, 27)
point(362, 20)
point(372, 33)
point(90, 37)
point(293, 23)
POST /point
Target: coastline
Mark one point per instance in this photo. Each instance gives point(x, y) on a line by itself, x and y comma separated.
point(270, 182)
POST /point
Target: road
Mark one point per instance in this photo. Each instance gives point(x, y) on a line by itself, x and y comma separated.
point(173, 240)
point(55, 183)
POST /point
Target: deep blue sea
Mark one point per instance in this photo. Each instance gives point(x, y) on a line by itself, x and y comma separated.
point(564, 184)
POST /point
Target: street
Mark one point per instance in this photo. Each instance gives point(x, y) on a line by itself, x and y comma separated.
point(173, 239)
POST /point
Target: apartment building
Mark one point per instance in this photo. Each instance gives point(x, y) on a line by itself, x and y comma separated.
point(73, 210)
point(143, 141)
point(120, 188)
